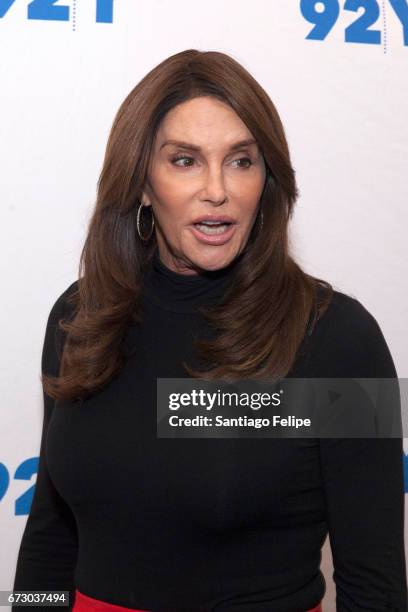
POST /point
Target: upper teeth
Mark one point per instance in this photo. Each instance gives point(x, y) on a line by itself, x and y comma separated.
point(213, 222)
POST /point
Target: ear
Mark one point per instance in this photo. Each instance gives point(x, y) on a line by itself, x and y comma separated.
point(145, 198)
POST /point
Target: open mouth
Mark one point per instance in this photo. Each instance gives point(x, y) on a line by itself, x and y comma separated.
point(212, 229)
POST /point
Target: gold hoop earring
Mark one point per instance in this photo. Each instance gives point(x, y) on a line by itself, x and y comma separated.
point(138, 223)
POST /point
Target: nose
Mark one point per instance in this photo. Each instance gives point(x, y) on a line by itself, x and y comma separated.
point(214, 186)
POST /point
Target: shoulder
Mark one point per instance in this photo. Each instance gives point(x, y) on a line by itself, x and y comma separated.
point(348, 341)
point(62, 308)
point(63, 305)
point(346, 314)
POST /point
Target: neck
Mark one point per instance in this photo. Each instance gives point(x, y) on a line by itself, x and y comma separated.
point(185, 292)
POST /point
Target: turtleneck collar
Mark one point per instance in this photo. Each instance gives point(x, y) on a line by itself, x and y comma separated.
point(184, 293)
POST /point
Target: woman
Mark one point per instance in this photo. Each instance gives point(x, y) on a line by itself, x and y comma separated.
point(123, 519)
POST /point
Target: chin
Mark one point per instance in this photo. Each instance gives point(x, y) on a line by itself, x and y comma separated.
point(214, 260)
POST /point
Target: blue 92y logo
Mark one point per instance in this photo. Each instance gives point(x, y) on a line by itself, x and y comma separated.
point(47, 11)
point(357, 32)
point(25, 471)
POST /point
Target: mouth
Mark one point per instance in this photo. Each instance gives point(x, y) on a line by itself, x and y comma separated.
point(215, 233)
point(213, 228)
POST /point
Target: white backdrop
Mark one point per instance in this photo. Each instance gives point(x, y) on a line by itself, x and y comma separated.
point(66, 66)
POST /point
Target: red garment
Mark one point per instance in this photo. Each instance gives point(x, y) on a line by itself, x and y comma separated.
point(84, 603)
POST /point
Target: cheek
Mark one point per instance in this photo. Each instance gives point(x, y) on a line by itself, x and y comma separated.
point(173, 211)
point(248, 202)
point(248, 217)
point(248, 188)
point(171, 192)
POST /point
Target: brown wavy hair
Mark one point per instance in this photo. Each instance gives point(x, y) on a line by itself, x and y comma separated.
point(265, 315)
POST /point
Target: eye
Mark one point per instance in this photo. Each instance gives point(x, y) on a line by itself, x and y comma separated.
point(245, 159)
point(178, 157)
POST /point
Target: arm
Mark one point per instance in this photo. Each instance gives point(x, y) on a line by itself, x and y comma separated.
point(49, 545)
point(363, 481)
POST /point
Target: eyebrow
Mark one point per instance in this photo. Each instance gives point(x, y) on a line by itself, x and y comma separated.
point(192, 147)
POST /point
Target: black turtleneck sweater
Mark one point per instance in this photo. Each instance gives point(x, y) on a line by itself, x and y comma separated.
point(192, 525)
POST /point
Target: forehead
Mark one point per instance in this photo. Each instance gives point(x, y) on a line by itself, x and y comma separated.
point(202, 121)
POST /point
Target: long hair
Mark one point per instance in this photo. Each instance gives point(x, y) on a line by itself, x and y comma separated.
point(260, 324)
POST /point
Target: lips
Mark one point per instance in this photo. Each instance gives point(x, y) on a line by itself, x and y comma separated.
point(215, 219)
point(213, 238)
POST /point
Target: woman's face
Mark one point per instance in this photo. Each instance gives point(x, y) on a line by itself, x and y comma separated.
point(201, 174)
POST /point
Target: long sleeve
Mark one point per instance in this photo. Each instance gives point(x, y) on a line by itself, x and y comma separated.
point(364, 489)
point(49, 545)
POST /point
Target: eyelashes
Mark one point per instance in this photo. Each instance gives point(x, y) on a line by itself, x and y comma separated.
point(179, 157)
